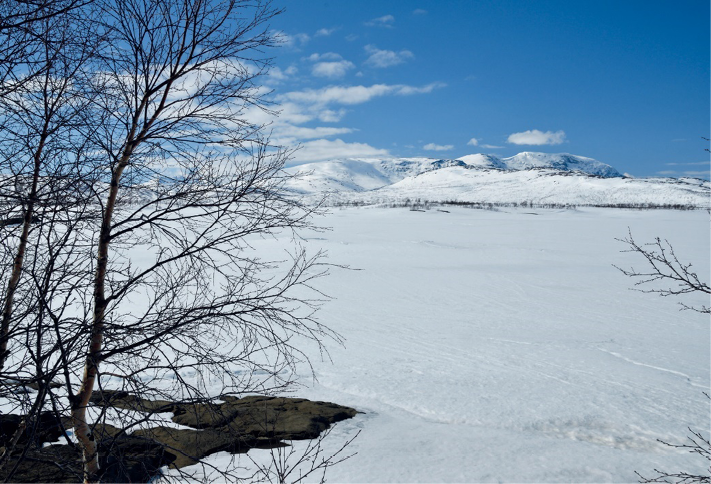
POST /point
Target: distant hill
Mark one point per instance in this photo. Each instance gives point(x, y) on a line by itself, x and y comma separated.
point(556, 161)
point(531, 178)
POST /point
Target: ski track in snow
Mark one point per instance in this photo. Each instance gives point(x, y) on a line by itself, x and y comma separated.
point(491, 346)
point(673, 372)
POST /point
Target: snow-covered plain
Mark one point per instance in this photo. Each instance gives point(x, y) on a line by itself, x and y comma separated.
point(500, 346)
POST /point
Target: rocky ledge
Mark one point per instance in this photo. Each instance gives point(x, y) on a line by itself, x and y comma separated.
point(235, 425)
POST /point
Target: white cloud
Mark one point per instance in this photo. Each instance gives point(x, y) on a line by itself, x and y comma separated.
point(699, 174)
point(322, 149)
point(327, 105)
point(349, 95)
point(332, 70)
point(276, 75)
point(325, 32)
point(384, 21)
point(691, 163)
point(419, 11)
point(292, 40)
point(473, 142)
point(331, 116)
point(351, 37)
point(301, 132)
point(491, 147)
point(326, 56)
point(386, 58)
point(434, 147)
point(536, 137)
point(692, 173)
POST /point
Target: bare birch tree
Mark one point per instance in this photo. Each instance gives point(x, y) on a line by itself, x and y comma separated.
point(156, 173)
point(664, 274)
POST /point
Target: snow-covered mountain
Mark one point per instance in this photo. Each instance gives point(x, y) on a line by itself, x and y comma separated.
point(557, 161)
point(362, 174)
point(537, 178)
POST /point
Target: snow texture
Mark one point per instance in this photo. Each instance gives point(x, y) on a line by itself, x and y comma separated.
point(500, 346)
point(531, 178)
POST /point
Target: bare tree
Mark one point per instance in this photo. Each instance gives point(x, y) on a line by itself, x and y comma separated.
point(24, 29)
point(40, 131)
point(41, 146)
point(663, 266)
point(148, 187)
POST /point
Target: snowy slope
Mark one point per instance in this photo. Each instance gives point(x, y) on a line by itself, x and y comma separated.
point(498, 346)
point(361, 174)
point(541, 187)
point(528, 160)
point(537, 178)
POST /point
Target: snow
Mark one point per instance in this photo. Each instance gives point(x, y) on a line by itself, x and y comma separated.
point(361, 174)
point(494, 346)
point(528, 159)
point(543, 186)
point(538, 178)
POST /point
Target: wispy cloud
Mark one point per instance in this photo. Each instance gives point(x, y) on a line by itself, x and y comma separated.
point(419, 11)
point(325, 32)
point(701, 174)
point(384, 21)
point(329, 64)
point(300, 132)
point(491, 147)
point(473, 142)
point(331, 115)
point(386, 58)
point(689, 163)
point(537, 137)
point(277, 75)
point(693, 173)
point(322, 149)
point(293, 41)
point(349, 95)
point(326, 56)
point(436, 147)
point(332, 70)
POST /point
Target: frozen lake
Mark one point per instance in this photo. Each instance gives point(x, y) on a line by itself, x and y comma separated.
point(488, 346)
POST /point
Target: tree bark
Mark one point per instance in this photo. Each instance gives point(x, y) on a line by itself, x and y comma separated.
point(82, 431)
point(20, 256)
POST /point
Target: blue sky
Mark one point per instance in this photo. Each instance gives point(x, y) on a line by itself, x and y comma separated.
point(625, 82)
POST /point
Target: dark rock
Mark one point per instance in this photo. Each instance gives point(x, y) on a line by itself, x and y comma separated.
point(236, 426)
point(276, 418)
point(8, 426)
point(54, 463)
point(48, 428)
point(123, 458)
point(132, 458)
point(127, 401)
point(189, 446)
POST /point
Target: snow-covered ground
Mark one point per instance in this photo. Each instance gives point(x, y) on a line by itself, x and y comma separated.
point(527, 178)
point(499, 346)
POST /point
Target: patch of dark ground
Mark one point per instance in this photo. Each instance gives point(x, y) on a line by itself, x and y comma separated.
point(236, 425)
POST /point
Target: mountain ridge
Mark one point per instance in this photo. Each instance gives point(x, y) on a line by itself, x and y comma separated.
point(530, 177)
